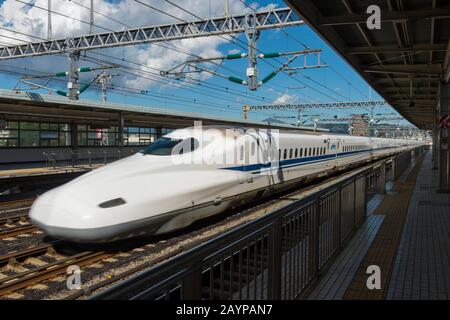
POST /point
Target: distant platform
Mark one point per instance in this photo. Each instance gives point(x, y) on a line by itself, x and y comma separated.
point(44, 171)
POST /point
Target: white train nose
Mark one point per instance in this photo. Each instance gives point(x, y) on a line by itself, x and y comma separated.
point(59, 215)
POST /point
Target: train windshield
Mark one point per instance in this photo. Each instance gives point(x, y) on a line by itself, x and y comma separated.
point(169, 146)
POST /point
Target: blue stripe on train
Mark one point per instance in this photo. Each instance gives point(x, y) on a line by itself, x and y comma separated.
point(300, 161)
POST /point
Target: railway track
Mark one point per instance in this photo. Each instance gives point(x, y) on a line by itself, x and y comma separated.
point(16, 204)
point(16, 225)
point(25, 277)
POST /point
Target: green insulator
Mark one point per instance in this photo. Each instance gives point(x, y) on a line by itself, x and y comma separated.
point(84, 69)
point(61, 93)
point(61, 74)
point(235, 56)
point(84, 87)
point(237, 80)
point(270, 76)
point(271, 55)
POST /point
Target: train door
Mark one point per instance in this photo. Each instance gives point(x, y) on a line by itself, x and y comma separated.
point(338, 145)
point(272, 161)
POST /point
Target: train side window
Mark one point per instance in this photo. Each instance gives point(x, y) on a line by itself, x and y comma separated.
point(279, 154)
point(285, 154)
point(309, 152)
point(301, 152)
point(290, 153)
point(296, 153)
point(314, 151)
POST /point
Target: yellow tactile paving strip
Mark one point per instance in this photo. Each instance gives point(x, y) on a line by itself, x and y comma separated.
point(383, 250)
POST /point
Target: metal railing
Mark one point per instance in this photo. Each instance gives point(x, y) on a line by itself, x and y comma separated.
point(274, 257)
point(85, 157)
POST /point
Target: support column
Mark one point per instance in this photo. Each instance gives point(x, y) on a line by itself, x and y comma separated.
point(394, 169)
point(382, 181)
point(74, 143)
point(443, 154)
point(121, 126)
point(158, 132)
point(435, 145)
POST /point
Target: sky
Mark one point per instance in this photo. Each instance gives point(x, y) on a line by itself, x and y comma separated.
point(140, 83)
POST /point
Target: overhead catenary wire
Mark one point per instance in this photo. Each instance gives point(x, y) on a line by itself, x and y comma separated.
point(161, 11)
point(174, 48)
point(307, 47)
point(138, 92)
point(75, 19)
point(108, 29)
point(273, 66)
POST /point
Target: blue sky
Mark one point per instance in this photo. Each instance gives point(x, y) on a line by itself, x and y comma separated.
point(327, 85)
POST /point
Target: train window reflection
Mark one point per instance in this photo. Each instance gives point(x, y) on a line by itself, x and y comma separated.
point(165, 146)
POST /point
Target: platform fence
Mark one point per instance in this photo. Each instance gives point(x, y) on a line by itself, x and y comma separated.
point(85, 157)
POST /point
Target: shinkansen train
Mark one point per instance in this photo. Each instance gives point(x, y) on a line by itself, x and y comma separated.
point(194, 173)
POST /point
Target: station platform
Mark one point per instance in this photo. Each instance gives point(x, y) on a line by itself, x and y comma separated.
point(44, 171)
point(406, 236)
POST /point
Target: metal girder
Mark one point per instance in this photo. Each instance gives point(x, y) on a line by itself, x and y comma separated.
point(446, 65)
point(387, 16)
point(423, 69)
point(341, 105)
point(337, 120)
point(395, 49)
point(404, 79)
point(267, 19)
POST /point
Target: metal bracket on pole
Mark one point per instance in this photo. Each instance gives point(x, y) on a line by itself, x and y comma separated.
point(252, 38)
point(73, 85)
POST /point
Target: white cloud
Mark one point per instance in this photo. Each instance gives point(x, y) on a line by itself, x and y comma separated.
point(286, 98)
point(233, 51)
point(32, 20)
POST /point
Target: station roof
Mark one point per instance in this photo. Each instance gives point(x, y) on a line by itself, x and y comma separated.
point(404, 61)
point(26, 106)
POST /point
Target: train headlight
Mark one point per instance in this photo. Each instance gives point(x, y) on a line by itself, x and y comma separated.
point(112, 203)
